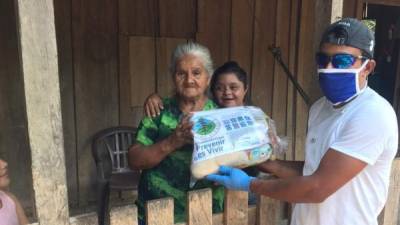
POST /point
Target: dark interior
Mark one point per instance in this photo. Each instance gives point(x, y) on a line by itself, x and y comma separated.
point(387, 34)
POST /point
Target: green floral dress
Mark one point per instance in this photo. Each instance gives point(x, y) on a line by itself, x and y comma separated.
point(171, 178)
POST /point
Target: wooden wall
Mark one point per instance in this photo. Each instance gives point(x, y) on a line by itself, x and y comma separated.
point(112, 54)
point(240, 30)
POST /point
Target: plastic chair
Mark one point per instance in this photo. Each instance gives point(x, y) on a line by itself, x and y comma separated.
point(110, 152)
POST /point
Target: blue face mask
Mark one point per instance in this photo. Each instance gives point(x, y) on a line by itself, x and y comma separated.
point(340, 85)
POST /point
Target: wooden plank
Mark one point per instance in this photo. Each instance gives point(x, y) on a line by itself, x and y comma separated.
point(391, 211)
point(177, 18)
point(124, 215)
point(64, 44)
point(269, 211)
point(218, 219)
point(43, 106)
point(160, 212)
point(252, 215)
point(305, 73)
point(200, 207)
point(337, 10)
point(236, 209)
point(95, 53)
point(280, 80)
point(138, 17)
point(126, 116)
point(310, 33)
point(359, 9)
point(349, 8)
point(165, 47)
point(213, 28)
point(309, 37)
point(137, 114)
point(83, 219)
point(291, 113)
point(263, 61)
point(141, 68)
point(320, 10)
point(14, 143)
point(241, 33)
point(323, 11)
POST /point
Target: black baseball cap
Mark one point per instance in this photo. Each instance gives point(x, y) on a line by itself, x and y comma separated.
point(350, 32)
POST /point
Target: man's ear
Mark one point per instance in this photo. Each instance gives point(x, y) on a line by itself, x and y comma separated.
point(369, 68)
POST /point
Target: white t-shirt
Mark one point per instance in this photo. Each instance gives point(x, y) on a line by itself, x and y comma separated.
point(366, 129)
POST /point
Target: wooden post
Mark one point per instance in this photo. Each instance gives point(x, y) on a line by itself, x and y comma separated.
point(236, 207)
point(124, 215)
point(305, 73)
point(269, 211)
point(200, 207)
point(391, 212)
point(38, 52)
point(160, 212)
point(337, 10)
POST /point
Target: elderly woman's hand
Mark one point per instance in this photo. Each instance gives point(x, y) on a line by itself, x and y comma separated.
point(183, 132)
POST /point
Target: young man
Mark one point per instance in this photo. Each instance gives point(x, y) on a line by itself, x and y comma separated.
point(351, 141)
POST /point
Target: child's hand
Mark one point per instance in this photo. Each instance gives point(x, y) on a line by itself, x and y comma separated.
point(153, 105)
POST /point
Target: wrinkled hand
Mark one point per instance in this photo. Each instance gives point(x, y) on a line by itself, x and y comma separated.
point(232, 178)
point(183, 132)
point(153, 105)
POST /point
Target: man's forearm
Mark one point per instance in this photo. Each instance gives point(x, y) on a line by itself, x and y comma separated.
point(281, 168)
point(301, 189)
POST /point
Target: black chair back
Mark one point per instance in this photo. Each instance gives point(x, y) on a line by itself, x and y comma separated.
point(110, 152)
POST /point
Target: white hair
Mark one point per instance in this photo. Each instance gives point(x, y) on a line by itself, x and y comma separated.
point(195, 49)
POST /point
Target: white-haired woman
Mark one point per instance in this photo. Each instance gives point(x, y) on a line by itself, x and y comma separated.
point(164, 144)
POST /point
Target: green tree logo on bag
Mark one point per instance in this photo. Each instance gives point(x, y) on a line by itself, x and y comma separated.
point(204, 126)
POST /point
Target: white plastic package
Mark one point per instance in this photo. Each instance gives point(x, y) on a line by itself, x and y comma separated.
point(235, 136)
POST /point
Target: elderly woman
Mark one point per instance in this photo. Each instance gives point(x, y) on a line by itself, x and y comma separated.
point(164, 144)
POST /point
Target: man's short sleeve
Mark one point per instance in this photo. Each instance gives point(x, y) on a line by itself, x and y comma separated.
point(364, 135)
point(147, 131)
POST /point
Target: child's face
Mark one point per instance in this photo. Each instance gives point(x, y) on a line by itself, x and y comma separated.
point(4, 179)
point(229, 91)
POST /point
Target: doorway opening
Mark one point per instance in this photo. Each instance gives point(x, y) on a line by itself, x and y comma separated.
point(385, 21)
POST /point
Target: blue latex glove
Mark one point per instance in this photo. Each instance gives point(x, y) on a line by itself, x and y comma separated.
point(231, 178)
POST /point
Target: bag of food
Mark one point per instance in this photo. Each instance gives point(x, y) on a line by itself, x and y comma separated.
point(235, 136)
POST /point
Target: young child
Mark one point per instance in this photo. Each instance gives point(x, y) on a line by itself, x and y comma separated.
point(11, 212)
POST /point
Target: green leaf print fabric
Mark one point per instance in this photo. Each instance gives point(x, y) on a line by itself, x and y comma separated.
point(171, 177)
